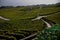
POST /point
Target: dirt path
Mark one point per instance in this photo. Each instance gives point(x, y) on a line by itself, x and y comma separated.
point(40, 18)
point(29, 37)
point(46, 21)
point(4, 18)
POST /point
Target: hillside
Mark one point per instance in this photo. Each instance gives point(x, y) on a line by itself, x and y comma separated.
point(20, 19)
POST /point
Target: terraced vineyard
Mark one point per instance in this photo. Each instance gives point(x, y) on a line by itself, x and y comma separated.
point(20, 25)
point(15, 35)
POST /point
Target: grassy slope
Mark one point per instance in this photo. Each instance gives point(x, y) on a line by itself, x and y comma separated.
point(19, 18)
point(55, 18)
point(16, 12)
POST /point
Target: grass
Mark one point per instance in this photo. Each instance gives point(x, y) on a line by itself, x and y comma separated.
point(55, 18)
point(20, 18)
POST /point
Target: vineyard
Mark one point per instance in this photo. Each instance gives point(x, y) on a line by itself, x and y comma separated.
point(20, 25)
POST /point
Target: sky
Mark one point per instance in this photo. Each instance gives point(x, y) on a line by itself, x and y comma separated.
point(26, 2)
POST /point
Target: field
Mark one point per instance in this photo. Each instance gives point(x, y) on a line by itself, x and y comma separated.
point(20, 19)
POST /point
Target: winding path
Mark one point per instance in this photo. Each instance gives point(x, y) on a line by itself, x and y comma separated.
point(29, 37)
point(4, 18)
point(46, 21)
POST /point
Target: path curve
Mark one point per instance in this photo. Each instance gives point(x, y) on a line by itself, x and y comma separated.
point(4, 18)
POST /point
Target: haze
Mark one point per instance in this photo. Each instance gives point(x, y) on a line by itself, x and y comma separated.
point(26, 2)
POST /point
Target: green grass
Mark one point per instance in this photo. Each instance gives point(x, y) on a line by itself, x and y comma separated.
point(55, 18)
point(20, 18)
point(16, 12)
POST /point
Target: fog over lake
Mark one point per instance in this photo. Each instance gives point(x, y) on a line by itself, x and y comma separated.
point(26, 2)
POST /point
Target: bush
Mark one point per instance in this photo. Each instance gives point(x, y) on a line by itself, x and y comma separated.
point(52, 33)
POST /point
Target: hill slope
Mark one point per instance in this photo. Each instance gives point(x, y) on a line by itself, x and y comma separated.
point(20, 19)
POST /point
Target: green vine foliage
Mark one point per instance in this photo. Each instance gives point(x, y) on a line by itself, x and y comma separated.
point(52, 33)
